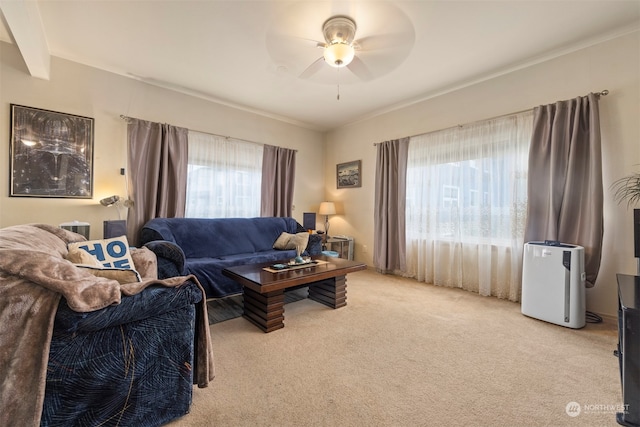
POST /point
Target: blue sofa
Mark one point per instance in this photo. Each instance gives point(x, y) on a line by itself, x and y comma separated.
point(205, 246)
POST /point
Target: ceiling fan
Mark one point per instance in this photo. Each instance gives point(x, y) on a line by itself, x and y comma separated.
point(385, 38)
point(340, 46)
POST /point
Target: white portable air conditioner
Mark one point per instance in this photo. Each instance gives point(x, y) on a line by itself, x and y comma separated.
point(553, 283)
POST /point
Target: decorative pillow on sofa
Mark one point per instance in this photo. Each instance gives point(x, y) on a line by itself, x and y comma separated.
point(85, 260)
point(111, 253)
point(291, 241)
point(80, 256)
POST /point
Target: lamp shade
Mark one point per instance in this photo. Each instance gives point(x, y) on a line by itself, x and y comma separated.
point(339, 54)
point(327, 208)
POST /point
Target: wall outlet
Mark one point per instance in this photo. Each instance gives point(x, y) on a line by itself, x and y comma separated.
point(365, 249)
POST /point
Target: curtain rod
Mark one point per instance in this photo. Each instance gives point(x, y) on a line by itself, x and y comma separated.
point(604, 92)
point(127, 118)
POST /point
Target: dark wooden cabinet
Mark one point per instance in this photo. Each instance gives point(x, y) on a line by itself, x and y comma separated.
point(629, 348)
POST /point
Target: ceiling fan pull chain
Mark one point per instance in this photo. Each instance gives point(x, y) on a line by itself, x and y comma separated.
point(338, 98)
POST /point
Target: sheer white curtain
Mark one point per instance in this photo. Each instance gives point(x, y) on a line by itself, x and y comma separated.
point(466, 205)
point(223, 178)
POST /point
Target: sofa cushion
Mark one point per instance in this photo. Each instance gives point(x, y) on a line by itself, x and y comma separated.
point(209, 270)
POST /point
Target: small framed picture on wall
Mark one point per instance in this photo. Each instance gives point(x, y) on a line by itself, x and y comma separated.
point(51, 154)
point(349, 175)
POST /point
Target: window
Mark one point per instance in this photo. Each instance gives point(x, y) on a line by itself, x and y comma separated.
point(466, 205)
point(450, 196)
point(468, 182)
point(224, 177)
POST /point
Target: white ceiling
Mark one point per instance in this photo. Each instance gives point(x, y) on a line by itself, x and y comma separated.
point(250, 54)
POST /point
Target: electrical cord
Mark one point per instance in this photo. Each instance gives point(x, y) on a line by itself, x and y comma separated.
point(593, 317)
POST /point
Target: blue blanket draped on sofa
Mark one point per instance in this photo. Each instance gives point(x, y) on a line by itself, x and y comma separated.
point(210, 245)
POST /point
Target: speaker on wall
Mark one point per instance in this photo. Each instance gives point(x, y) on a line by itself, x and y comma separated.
point(114, 228)
point(309, 220)
point(636, 232)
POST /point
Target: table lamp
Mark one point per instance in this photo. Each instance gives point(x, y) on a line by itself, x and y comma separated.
point(326, 209)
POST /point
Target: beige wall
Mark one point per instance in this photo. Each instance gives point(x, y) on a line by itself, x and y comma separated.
point(78, 89)
point(612, 65)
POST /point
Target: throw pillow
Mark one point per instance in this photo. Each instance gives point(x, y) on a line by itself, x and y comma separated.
point(287, 241)
point(83, 259)
point(282, 241)
point(300, 241)
point(111, 253)
point(80, 256)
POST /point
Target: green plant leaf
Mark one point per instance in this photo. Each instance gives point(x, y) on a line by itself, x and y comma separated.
point(627, 188)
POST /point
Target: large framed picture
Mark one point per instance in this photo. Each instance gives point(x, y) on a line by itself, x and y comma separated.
point(51, 154)
point(348, 175)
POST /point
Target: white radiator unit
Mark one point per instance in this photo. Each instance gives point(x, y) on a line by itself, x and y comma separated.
point(553, 283)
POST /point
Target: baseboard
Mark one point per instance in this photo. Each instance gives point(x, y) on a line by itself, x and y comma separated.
point(607, 318)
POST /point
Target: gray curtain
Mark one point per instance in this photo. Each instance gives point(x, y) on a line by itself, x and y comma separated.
point(157, 173)
point(278, 178)
point(389, 245)
point(565, 192)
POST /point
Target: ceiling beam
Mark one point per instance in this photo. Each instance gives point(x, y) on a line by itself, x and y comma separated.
point(24, 22)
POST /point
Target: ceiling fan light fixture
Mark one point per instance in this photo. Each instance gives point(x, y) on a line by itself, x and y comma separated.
point(339, 54)
point(339, 29)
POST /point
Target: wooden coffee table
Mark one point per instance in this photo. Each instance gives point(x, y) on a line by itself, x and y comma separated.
point(264, 290)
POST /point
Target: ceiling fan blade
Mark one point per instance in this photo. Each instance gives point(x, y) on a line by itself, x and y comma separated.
point(385, 41)
point(358, 68)
point(279, 39)
point(313, 68)
point(291, 51)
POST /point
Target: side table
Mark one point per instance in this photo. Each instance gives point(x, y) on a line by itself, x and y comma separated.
point(338, 241)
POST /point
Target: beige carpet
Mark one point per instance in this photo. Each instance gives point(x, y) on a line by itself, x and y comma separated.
point(403, 353)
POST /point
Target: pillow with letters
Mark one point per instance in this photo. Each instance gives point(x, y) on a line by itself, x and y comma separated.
point(108, 258)
point(110, 253)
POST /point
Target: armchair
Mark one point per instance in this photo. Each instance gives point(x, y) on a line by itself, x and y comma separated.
point(83, 350)
point(128, 364)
